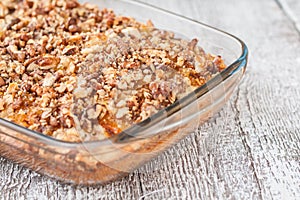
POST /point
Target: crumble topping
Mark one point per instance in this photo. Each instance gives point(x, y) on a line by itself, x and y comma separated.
point(75, 72)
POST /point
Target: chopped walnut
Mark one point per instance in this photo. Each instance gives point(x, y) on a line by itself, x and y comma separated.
point(2, 82)
point(12, 88)
point(48, 80)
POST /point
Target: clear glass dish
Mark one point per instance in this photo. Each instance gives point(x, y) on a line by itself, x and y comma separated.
point(98, 162)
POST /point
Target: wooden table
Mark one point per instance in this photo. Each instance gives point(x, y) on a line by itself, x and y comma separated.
point(250, 150)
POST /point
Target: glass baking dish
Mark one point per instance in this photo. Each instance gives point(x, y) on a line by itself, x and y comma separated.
point(98, 162)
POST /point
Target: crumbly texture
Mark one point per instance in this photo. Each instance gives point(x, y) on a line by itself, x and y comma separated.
point(75, 72)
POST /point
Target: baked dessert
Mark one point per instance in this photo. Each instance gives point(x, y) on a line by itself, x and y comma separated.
point(79, 73)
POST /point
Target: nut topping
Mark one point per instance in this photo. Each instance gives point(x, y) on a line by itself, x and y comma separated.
point(75, 72)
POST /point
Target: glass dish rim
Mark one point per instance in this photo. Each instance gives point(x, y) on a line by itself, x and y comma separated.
point(128, 134)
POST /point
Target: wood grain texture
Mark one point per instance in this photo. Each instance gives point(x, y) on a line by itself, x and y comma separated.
point(250, 150)
point(292, 10)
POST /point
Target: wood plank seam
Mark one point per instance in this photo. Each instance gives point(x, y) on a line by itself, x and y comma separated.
point(140, 185)
point(289, 13)
point(247, 147)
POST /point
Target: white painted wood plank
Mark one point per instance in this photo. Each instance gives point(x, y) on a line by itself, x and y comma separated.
point(250, 150)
